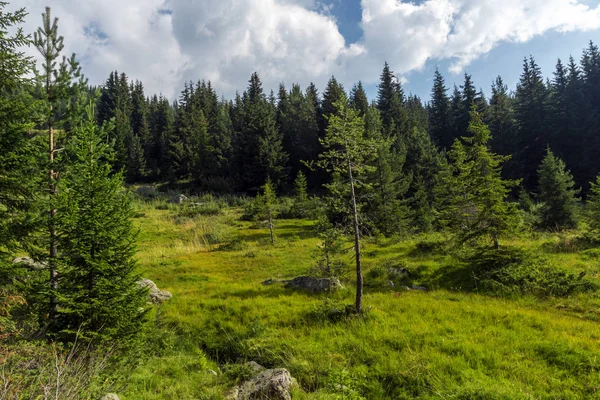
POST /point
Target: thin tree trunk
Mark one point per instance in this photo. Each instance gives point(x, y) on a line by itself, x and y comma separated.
point(53, 248)
point(271, 227)
point(359, 277)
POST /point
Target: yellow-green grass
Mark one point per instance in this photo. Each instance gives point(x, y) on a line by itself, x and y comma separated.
point(437, 344)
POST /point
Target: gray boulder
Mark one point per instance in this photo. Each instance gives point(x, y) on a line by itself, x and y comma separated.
point(271, 384)
point(155, 295)
point(255, 367)
point(179, 199)
point(146, 190)
point(29, 263)
point(316, 285)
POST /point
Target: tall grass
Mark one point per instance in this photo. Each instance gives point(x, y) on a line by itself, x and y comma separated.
point(456, 340)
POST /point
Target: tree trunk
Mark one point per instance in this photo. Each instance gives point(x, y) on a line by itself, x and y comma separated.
point(359, 277)
point(53, 249)
point(271, 227)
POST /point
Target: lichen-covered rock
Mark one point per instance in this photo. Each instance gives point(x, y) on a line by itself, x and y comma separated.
point(155, 295)
point(179, 199)
point(313, 284)
point(29, 263)
point(255, 367)
point(271, 384)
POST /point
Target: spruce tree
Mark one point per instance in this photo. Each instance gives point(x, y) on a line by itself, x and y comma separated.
point(473, 195)
point(358, 99)
point(592, 210)
point(19, 177)
point(98, 298)
point(439, 113)
point(334, 94)
point(57, 83)
point(501, 119)
point(557, 193)
point(266, 202)
point(531, 113)
point(347, 157)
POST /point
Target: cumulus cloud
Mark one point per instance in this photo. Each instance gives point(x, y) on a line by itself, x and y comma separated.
point(463, 30)
point(164, 42)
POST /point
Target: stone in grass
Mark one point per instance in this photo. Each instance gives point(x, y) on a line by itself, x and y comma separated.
point(155, 295)
point(110, 396)
point(271, 384)
point(316, 285)
point(255, 367)
point(179, 199)
point(420, 288)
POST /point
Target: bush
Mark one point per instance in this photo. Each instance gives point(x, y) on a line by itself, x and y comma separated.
point(514, 271)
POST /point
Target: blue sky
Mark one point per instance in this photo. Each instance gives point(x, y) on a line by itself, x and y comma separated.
point(505, 60)
point(164, 43)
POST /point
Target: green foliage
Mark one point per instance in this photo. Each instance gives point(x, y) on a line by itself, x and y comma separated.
point(515, 272)
point(20, 177)
point(557, 193)
point(98, 299)
point(473, 195)
point(593, 208)
point(328, 257)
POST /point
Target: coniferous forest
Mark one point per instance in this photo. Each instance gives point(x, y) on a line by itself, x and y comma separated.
point(451, 244)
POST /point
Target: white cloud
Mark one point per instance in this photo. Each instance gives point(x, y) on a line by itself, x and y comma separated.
point(463, 30)
point(291, 40)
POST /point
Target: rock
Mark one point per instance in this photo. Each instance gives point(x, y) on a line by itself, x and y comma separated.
point(29, 263)
point(416, 287)
point(179, 199)
point(255, 367)
point(155, 295)
point(111, 396)
point(271, 384)
point(313, 284)
point(146, 190)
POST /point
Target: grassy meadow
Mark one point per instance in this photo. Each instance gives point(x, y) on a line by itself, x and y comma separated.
point(454, 341)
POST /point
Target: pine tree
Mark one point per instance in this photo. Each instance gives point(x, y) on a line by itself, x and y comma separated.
point(347, 154)
point(19, 177)
point(501, 119)
point(98, 298)
point(474, 193)
point(57, 83)
point(531, 114)
point(439, 113)
point(469, 95)
point(557, 193)
point(298, 121)
point(358, 99)
point(259, 144)
point(266, 206)
point(593, 208)
point(334, 94)
point(390, 103)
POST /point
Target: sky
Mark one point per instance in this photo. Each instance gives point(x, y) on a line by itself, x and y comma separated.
point(164, 43)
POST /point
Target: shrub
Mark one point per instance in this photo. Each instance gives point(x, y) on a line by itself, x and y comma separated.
point(515, 271)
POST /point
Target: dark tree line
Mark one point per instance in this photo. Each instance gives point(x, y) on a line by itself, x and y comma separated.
point(235, 145)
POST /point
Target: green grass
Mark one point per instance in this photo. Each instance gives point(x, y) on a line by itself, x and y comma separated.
point(445, 343)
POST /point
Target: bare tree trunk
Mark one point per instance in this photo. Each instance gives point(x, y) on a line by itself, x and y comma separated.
point(53, 249)
point(271, 227)
point(359, 277)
